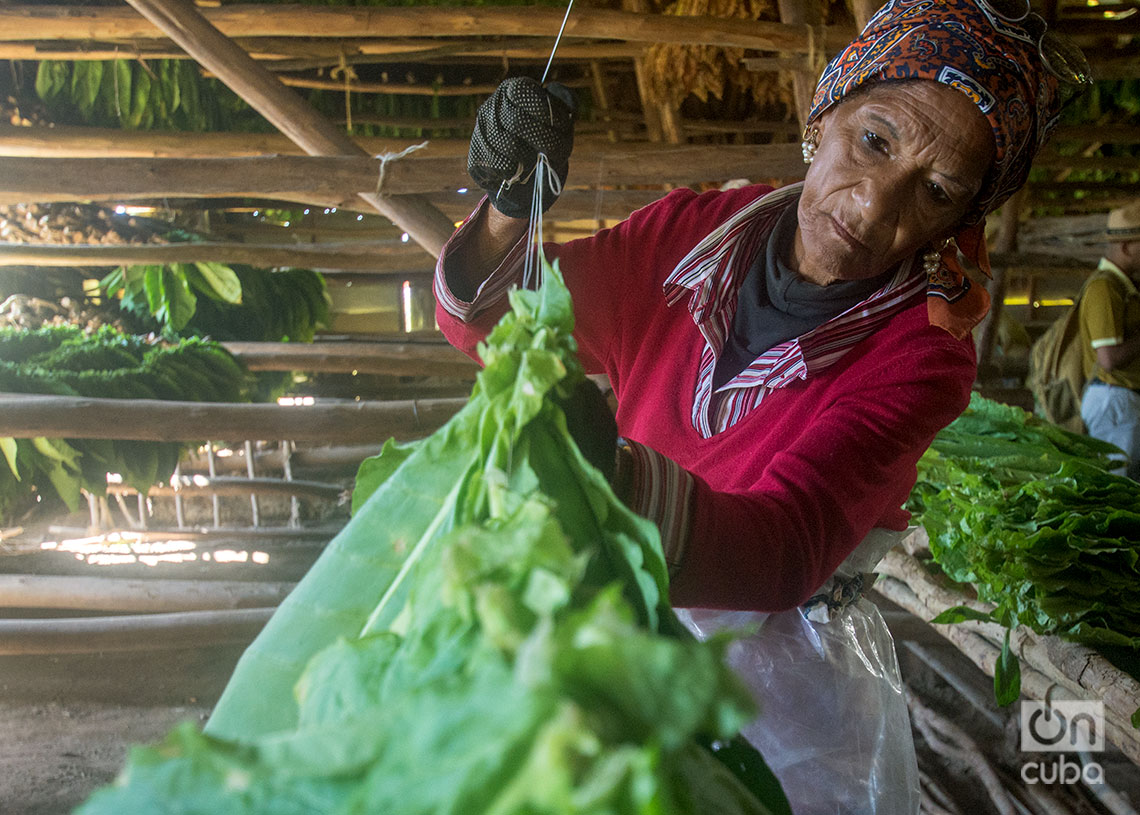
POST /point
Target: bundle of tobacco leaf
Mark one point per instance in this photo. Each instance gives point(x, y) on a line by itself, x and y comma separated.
point(1031, 515)
point(488, 634)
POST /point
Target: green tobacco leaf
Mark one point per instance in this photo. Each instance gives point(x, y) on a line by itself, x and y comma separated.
point(154, 285)
point(140, 98)
point(179, 302)
point(375, 470)
point(123, 83)
point(1007, 675)
point(218, 282)
point(50, 78)
point(61, 463)
point(9, 447)
point(488, 635)
point(958, 614)
point(1136, 718)
point(113, 282)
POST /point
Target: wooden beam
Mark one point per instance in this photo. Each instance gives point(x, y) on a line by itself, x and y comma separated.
point(1006, 243)
point(118, 594)
point(41, 180)
point(1052, 160)
point(113, 23)
point(206, 487)
point(131, 632)
point(291, 53)
point(24, 416)
point(796, 12)
point(97, 142)
point(1105, 134)
point(864, 10)
point(378, 258)
point(290, 114)
point(395, 359)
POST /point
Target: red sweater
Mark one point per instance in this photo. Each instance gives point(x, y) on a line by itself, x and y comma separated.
point(785, 494)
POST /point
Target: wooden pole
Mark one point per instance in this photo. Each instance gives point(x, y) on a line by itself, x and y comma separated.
point(24, 416)
point(377, 258)
point(179, 19)
point(142, 632)
point(103, 24)
point(118, 594)
point(796, 12)
point(395, 359)
point(1006, 242)
point(123, 179)
point(94, 142)
point(864, 11)
point(296, 53)
point(243, 487)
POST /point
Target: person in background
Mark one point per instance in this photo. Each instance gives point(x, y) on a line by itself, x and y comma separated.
point(1110, 339)
point(781, 358)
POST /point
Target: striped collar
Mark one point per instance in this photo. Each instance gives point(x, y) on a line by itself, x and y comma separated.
point(712, 274)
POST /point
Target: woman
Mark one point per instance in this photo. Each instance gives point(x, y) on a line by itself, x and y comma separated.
point(781, 358)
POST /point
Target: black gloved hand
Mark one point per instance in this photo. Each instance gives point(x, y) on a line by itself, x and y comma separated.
point(592, 426)
point(520, 120)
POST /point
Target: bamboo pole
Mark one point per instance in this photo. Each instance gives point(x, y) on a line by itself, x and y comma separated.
point(379, 258)
point(112, 23)
point(184, 24)
point(123, 179)
point(124, 595)
point(395, 359)
point(143, 632)
point(24, 416)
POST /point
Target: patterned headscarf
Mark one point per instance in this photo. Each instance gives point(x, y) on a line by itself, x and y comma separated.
point(995, 62)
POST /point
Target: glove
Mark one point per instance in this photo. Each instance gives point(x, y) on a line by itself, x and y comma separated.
point(518, 121)
point(592, 426)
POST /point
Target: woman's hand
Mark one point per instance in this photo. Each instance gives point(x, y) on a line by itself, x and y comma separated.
point(520, 120)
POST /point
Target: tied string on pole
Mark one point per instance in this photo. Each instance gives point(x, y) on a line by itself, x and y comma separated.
point(387, 157)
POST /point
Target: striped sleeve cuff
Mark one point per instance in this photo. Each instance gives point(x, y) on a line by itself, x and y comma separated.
point(662, 491)
point(492, 289)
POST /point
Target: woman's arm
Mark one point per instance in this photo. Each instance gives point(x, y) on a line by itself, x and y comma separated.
point(769, 545)
point(490, 237)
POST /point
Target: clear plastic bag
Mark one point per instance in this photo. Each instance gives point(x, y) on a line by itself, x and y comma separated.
point(833, 725)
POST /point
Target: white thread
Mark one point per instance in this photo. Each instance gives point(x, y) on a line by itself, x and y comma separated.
point(386, 157)
point(544, 177)
point(557, 39)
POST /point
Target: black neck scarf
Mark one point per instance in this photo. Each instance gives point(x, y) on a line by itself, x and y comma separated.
point(775, 304)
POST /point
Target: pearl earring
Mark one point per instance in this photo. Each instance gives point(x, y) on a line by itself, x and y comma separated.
point(932, 258)
point(810, 144)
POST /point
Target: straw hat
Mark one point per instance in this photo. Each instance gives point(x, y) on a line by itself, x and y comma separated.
point(1124, 223)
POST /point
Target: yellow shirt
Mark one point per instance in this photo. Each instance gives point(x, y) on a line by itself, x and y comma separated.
point(1109, 314)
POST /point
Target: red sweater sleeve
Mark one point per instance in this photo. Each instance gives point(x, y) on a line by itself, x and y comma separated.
point(769, 547)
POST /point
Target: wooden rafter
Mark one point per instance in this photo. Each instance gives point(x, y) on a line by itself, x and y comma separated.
point(290, 114)
point(116, 24)
point(157, 420)
point(122, 179)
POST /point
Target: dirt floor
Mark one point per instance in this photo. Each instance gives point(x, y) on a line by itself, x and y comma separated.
point(67, 720)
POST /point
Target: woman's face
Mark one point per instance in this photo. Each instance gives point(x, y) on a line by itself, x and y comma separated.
point(896, 168)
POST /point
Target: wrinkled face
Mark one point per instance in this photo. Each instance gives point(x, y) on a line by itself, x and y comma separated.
point(896, 169)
